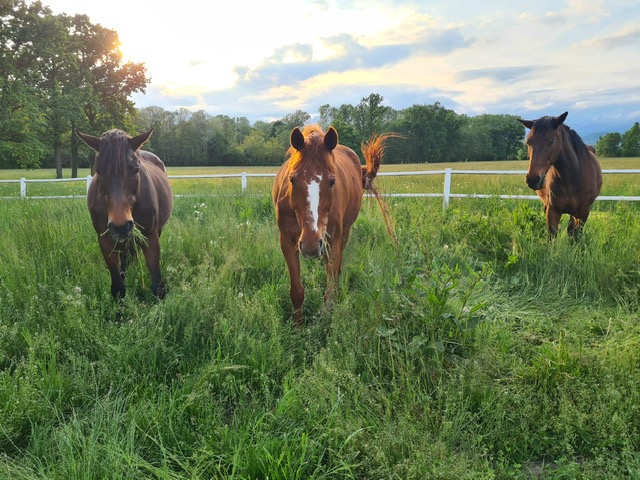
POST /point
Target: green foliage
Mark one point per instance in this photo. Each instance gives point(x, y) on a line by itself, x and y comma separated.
point(608, 145)
point(630, 142)
point(429, 133)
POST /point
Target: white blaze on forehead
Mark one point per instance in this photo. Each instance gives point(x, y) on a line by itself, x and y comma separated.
point(313, 193)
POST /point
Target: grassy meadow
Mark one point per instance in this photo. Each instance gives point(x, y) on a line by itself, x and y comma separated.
point(471, 349)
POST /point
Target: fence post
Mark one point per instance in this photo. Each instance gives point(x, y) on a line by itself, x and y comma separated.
point(23, 187)
point(244, 182)
point(88, 182)
point(447, 188)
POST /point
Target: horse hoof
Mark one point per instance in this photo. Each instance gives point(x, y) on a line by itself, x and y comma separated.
point(160, 292)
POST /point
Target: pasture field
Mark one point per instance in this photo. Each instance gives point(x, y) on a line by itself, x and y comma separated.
point(471, 349)
point(461, 183)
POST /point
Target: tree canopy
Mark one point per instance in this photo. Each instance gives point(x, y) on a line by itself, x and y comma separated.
point(58, 72)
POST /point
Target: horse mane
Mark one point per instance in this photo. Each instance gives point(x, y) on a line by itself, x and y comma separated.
point(114, 152)
point(314, 148)
point(544, 124)
point(578, 144)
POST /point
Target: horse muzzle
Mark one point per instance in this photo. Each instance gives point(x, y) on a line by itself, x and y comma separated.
point(121, 233)
point(535, 183)
point(311, 251)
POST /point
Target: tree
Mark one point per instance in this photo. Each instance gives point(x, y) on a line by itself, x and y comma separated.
point(491, 137)
point(104, 82)
point(62, 72)
point(630, 144)
point(21, 122)
point(296, 119)
point(370, 115)
point(431, 133)
point(608, 145)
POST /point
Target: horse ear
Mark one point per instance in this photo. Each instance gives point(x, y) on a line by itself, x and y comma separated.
point(136, 142)
point(527, 123)
point(90, 140)
point(560, 120)
point(331, 139)
point(297, 139)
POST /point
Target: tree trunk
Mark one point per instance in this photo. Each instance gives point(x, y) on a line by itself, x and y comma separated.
point(58, 156)
point(74, 154)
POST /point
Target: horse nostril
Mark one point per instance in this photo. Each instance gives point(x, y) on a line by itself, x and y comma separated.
point(129, 226)
point(535, 182)
point(320, 245)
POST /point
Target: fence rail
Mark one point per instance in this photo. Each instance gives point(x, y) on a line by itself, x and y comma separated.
point(446, 194)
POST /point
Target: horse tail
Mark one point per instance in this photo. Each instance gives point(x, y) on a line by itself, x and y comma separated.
point(373, 150)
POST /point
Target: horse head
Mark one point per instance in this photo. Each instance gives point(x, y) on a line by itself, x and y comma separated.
point(117, 171)
point(545, 144)
point(312, 180)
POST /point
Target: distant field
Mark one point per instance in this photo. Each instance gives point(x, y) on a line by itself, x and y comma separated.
point(489, 184)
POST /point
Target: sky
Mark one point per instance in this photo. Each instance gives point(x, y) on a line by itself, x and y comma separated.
point(263, 60)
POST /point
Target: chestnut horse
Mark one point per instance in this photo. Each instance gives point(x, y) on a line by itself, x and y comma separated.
point(317, 196)
point(129, 189)
point(564, 172)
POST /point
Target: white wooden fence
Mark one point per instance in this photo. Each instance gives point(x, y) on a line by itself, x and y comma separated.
point(446, 194)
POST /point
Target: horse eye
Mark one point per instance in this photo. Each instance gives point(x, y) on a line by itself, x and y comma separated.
point(332, 182)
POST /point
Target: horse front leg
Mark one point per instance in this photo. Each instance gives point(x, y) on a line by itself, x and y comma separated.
point(296, 292)
point(151, 251)
point(333, 264)
point(553, 220)
point(112, 259)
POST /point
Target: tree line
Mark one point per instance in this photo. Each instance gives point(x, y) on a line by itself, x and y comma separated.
point(428, 133)
point(615, 144)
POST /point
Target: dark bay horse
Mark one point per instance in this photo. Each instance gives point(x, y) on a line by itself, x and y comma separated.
point(317, 196)
point(564, 172)
point(129, 190)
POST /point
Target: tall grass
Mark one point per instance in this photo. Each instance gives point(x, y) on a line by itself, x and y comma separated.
point(474, 349)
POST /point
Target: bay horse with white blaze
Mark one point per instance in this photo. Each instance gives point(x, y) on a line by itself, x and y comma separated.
point(564, 172)
point(129, 190)
point(317, 196)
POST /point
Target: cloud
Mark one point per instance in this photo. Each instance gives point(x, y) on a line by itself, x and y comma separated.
point(502, 74)
point(619, 40)
point(442, 42)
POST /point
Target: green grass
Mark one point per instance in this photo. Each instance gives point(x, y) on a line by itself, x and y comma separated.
point(473, 350)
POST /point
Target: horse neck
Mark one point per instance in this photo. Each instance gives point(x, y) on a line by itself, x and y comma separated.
point(568, 162)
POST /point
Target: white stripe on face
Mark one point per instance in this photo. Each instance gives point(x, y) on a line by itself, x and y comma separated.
point(313, 192)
